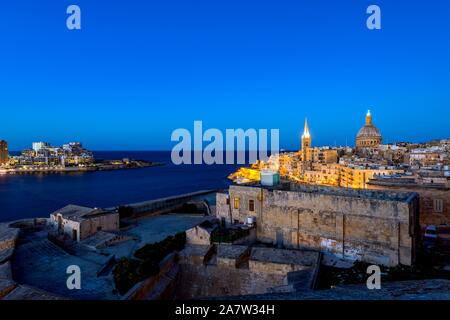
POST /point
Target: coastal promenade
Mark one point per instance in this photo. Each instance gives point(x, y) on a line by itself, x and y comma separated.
point(46, 169)
point(87, 168)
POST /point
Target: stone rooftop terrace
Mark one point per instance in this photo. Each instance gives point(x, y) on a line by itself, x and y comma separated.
point(336, 191)
point(231, 251)
point(297, 257)
point(405, 181)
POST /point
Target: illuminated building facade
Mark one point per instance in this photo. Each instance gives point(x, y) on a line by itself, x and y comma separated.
point(3, 152)
point(306, 142)
point(320, 155)
point(44, 154)
point(357, 178)
point(368, 137)
point(343, 167)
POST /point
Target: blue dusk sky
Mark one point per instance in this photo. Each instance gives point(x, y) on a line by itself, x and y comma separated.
point(140, 69)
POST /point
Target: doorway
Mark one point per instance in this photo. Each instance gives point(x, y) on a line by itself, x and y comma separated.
point(74, 235)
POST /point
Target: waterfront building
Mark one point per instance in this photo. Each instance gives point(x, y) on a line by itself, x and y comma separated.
point(357, 177)
point(3, 152)
point(43, 154)
point(345, 175)
point(38, 146)
point(323, 174)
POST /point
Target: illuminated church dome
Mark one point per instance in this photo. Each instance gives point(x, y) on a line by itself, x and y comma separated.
point(368, 136)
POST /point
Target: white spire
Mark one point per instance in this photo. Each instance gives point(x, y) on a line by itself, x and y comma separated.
point(306, 130)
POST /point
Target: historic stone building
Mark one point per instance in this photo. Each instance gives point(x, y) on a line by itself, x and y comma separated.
point(319, 155)
point(78, 222)
point(368, 137)
point(306, 141)
point(434, 197)
point(233, 270)
point(371, 226)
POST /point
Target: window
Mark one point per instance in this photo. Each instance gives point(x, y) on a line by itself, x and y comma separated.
point(99, 228)
point(228, 201)
point(251, 205)
point(236, 203)
point(438, 205)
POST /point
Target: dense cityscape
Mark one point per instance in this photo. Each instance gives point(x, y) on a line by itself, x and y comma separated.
point(224, 159)
point(70, 157)
point(425, 163)
point(280, 230)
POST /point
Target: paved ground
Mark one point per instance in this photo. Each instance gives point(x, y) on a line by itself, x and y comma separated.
point(41, 264)
point(154, 229)
point(158, 228)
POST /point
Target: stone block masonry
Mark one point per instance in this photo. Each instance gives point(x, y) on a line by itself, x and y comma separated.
point(378, 227)
point(8, 239)
point(241, 270)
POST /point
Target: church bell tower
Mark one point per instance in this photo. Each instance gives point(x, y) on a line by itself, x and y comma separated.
point(306, 141)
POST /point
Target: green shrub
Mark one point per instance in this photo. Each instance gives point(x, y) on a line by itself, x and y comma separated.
point(126, 275)
point(148, 268)
point(157, 251)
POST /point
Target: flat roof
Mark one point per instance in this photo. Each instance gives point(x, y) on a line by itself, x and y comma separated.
point(386, 195)
point(78, 213)
point(284, 256)
point(231, 251)
point(195, 250)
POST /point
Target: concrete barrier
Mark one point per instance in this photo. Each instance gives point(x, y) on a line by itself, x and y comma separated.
point(164, 204)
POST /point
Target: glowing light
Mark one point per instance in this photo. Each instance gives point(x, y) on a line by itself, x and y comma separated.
point(306, 130)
